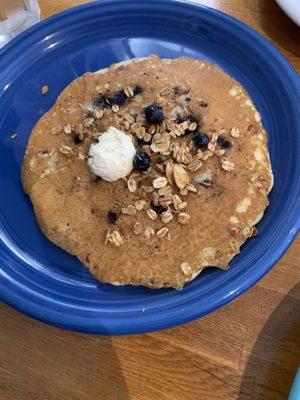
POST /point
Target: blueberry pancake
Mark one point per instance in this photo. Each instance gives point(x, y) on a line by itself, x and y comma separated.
point(150, 170)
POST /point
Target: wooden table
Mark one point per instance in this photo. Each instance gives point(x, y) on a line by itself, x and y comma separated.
point(249, 349)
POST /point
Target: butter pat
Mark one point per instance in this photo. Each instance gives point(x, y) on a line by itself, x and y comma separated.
point(112, 157)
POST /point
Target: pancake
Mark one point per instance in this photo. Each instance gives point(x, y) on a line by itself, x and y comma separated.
point(195, 206)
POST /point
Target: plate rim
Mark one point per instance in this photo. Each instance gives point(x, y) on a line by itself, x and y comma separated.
point(148, 324)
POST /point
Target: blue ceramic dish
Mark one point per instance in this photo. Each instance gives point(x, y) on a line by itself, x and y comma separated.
point(42, 280)
point(295, 390)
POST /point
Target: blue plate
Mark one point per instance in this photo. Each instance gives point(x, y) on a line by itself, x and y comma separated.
point(42, 280)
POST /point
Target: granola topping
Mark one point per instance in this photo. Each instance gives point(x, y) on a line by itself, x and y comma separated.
point(114, 238)
point(169, 163)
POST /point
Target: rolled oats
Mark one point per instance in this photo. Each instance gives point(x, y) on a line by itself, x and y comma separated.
point(172, 133)
point(160, 143)
point(147, 189)
point(199, 154)
point(160, 167)
point(131, 184)
point(185, 125)
point(166, 217)
point(183, 191)
point(162, 232)
point(219, 152)
point(178, 203)
point(78, 128)
point(151, 214)
point(174, 147)
point(67, 129)
point(129, 91)
point(169, 172)
point(165, 91)
point(192, 126)
point(234, 132)
point(178, 131)
point(194, 165)
point(129, 210)
point(185, 268)
point(183, 218)
point(147, 149)
point(160, 182)
point(182, 154)
point(147, 137)
point(181, 177)
point(140, 132)
point(140, 204)
point(148, 232)
point(152, 129)
point(56, 131)
point(88, 122)
point(211, 146)
point(165, 200)
point(206, 155)
point(98, 113)
point(227, 165)
point(45, 90)
point(155, 198)
point(223, 131)
point(115, 108)
point(66, 150)
point(214, 137)
point(114, 238)
point(169, 125)
point(191, 188)
point(138, 228)
point(129, 118)
point(165, 191)
point(126, 125)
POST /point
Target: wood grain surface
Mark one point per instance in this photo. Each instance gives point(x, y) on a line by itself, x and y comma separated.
point(249, 349)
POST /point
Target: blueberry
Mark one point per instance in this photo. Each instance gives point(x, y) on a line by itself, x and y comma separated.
point(154, 114)
point(119, 99)
point(101, 101)
point(137, 90)
point(187, 132)
point(77, 139)
point(223, 142)
point(158, 209)
point(111, 217)
point(191, 118)
point(201, 140)
point(141, 161)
